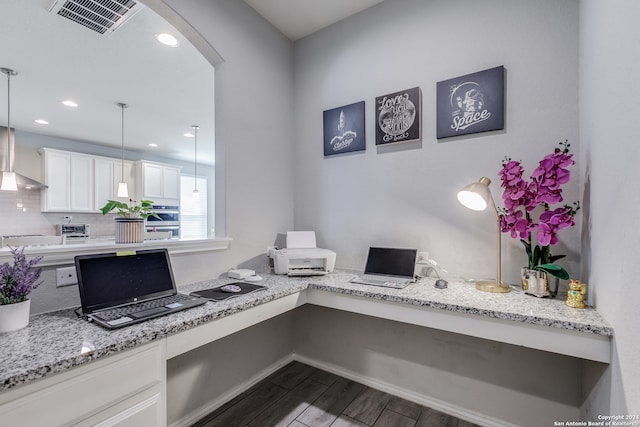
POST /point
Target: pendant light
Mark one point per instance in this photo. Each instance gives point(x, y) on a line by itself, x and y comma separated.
point(123, 191)
point(8, 176)
point(196, 193)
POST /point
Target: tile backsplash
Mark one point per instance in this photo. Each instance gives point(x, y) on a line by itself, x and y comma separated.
point(20, 214)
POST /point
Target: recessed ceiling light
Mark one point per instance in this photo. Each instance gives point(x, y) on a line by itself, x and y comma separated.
point(69, 103)
point(167, 39)
point(153, 145)
point(41, 121)
point(188, 135)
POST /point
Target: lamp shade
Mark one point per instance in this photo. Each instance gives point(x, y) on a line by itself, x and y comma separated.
point(476, 195)
point(9, 181)
point(123, 191)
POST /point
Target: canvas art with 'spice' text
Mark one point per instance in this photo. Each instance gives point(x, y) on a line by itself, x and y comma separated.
point(471, 104)
point(344, 129)
point(398, 117)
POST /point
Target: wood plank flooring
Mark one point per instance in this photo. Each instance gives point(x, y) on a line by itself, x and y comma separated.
point(299, 395)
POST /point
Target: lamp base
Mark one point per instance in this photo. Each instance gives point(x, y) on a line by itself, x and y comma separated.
point(495, 287)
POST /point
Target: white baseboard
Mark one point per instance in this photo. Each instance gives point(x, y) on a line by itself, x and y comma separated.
point(199, 413)
point(439, 405)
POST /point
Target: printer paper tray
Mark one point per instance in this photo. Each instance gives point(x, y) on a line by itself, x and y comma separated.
point(306, 272)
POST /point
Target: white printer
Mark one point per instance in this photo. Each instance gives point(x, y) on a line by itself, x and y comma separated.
point(301, 257)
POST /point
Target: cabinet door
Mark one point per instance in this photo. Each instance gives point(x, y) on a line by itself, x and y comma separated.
point(171, 183)
point(153, 181)
point(58, 179)
point(81, 183)
point(104, 170)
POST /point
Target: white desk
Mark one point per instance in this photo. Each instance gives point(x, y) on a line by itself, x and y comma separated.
point(54, 342)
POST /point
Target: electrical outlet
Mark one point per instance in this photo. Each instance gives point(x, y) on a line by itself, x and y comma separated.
point(422, 257)
point(66, 276)
point(67, 217)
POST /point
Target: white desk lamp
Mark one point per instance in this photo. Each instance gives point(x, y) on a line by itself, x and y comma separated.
point(477, 196)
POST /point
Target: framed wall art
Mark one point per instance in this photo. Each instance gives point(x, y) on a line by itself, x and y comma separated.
point(398, 117)
point(471, 104)
point(343, 129)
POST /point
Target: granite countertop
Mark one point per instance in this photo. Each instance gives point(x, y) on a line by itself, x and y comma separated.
point(462, 296)
point(54, 342)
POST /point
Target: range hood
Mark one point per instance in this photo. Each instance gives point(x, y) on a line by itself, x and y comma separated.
point(24, 182)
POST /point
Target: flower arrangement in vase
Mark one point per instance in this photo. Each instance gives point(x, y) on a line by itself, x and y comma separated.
point(528, 211)
point(16, 283)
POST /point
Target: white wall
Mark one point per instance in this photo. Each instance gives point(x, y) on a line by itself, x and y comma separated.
point(406, 195)
point(254, 174)
point(609, 68)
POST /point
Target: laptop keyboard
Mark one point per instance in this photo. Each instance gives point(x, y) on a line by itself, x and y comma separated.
point(368, 279)
point(143, 309)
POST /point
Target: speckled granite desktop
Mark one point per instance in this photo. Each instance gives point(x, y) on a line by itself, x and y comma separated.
point(57, 341)
point(461, 296)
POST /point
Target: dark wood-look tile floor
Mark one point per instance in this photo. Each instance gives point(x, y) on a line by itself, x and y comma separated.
point(299, 395)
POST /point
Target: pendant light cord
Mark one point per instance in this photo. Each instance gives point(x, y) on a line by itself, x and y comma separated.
point(195, 158)
point(9, 73)
point(122, 106)
point(122, 152)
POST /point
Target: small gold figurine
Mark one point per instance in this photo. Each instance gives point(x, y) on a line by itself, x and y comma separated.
point(576, 293)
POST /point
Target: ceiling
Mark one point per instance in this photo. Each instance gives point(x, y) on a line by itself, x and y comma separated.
point(166, 89)
point(299, 18)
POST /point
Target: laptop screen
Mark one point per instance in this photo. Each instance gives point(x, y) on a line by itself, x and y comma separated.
point(391, 261)
point(111, 279)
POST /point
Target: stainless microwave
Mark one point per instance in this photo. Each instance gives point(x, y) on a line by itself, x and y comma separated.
point(167, 216)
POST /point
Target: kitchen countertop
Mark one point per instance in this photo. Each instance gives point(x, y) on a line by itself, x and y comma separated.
point(63, 255)
point(54, 342)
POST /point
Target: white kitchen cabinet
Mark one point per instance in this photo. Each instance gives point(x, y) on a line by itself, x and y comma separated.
point(57, 176)
point(81, 182)
point(158, 182)
point(128, 389)
point(104, 173)
point(171, 182)
point(69, 177)
point(107, 176)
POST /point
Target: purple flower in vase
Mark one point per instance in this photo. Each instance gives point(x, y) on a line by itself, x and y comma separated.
point(18, 280)
point(521, 198)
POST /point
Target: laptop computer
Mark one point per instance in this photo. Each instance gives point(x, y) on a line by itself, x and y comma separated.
point(389, 267)
point(119, 289)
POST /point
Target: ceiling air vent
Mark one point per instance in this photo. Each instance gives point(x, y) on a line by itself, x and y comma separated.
point(101, 16)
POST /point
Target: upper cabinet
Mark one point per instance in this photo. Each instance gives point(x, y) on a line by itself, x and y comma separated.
point(70, 179)
point(107, 173)
point(81, 182)
point(158, 182)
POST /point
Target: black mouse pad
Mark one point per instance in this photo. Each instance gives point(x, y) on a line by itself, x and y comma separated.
point(215, 294)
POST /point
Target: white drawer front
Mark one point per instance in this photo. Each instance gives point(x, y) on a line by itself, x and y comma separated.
point(77, 394)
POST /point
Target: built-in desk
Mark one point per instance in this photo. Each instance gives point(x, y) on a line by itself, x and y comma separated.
point(55, 346)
